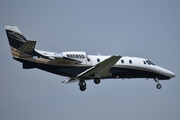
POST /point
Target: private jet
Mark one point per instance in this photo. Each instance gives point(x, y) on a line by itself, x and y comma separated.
point(79, 66)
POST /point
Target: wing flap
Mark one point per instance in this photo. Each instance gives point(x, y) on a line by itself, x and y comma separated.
point(71, 80)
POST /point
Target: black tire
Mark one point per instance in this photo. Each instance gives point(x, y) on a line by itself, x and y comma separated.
point(158, 86)
point(82, 87)
point(97, 80)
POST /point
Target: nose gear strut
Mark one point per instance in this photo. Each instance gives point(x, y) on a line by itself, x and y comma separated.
point(158, 86)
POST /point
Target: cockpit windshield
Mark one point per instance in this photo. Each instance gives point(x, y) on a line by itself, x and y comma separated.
point(149, 62)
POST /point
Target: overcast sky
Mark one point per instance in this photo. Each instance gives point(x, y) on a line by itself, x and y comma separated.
point(141, 28)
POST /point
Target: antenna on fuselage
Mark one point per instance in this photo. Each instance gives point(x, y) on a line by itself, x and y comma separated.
point(40, 41)
point(99, 54)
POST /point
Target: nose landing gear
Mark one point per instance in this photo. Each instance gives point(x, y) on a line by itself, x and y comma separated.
point(158, 86)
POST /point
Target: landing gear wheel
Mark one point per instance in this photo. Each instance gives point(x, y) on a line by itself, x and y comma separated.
point(158, 86)
point(82, 87)
point(97, 80)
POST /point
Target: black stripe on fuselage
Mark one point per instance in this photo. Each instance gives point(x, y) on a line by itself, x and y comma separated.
point(73, 71)
point(118, 72)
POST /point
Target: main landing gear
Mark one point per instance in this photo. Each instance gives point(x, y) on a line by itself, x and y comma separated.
point(82, 85)
point(158, 86)
point(97, 80)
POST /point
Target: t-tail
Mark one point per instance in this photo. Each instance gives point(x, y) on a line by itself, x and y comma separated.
point(19, 45)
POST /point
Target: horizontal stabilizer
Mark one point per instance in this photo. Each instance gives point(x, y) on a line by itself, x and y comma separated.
point(27, 47)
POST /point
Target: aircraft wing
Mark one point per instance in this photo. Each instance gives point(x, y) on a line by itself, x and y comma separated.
point(101, 69)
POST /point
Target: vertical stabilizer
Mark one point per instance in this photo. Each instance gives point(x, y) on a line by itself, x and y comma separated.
point(15, 38)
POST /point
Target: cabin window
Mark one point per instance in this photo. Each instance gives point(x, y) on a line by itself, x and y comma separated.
point(77, 56)
point(98, 60)
point(67, 55)
point(122, 61)
point(130, 61)
point(88, 59)
point(149, 62)
point(71, 55)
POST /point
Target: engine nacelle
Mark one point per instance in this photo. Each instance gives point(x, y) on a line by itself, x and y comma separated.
point(74, 55)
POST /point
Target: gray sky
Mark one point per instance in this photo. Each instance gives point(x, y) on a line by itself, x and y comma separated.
point(148, 29)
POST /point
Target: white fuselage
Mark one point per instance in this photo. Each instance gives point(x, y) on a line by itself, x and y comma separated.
point(135, 63)
point(124, 62)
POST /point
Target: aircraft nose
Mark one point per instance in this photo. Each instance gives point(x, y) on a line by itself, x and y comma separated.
point(166, 72)
point(171, 74)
